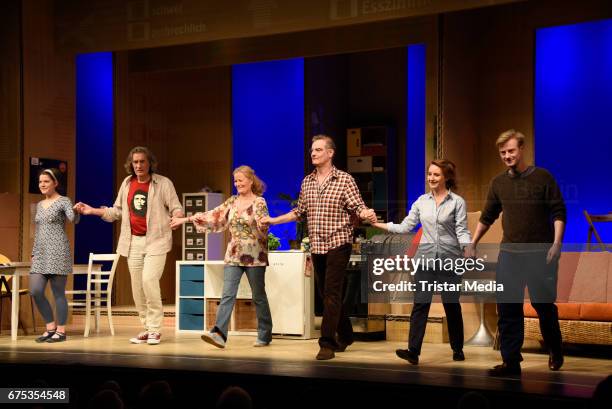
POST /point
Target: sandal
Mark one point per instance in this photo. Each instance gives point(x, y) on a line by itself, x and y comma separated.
point(44, 337)
point(57, 337)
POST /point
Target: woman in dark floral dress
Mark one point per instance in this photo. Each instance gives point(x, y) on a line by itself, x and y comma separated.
point(247, 252)
point(51, 256)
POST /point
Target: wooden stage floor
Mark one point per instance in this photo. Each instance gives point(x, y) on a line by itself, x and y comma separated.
point(369, 362)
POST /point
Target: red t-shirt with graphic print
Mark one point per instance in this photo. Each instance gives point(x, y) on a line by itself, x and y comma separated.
point(138, 198)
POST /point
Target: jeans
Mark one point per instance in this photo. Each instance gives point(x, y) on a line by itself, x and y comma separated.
point(257, 281)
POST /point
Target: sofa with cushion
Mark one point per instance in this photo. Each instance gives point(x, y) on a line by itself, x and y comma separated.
point(584, 294)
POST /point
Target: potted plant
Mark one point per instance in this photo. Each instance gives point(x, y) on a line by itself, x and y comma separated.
point(273, 242)
point(301, 227)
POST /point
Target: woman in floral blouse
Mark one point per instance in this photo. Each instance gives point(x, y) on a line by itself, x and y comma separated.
point(247, 252)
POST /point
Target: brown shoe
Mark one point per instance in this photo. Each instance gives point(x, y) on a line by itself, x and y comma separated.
point(325, 354)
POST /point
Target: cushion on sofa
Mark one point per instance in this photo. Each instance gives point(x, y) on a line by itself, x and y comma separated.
point(596, 312)
point(567, 311)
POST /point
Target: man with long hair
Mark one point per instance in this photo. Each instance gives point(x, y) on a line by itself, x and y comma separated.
point(145, 203)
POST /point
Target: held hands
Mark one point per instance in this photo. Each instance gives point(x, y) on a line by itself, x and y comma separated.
point(83, 208)
point(553, 253)
point(368, 215)
point(176, 222)
point(469, 251)
point(266, 221)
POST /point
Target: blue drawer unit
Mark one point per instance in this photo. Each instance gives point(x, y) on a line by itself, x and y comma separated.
point(192, 288)
point(192, 273)
point(191, 306)
point(193, 322)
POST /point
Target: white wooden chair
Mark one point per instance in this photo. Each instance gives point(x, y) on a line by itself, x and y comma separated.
point(94, 292)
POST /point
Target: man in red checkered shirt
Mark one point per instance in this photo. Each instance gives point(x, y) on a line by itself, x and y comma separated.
point(328, 197)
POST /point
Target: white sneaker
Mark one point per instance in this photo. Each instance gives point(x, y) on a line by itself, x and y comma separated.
point(259, 343)
point(141, 338)
point(213, 338)
point(154, 338)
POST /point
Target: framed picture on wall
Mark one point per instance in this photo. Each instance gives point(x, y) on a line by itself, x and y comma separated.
point(37, 165)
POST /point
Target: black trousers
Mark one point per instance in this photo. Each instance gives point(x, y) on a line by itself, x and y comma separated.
point(517, 271)
point(422, 303)
point(330, 272)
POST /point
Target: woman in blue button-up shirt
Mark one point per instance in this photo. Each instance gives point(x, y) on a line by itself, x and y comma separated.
point(442, 214)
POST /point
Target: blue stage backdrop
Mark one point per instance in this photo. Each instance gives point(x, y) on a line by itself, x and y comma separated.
point(268, 130)
point(415, 136)
point(573, 114)
point(94, 151)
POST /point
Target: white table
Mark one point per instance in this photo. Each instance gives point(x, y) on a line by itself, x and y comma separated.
point(19, 269)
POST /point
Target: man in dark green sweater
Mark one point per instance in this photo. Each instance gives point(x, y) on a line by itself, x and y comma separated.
point(533, 222)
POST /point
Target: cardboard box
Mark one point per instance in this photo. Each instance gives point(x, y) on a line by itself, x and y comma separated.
point(353, 142)
point(358, 164)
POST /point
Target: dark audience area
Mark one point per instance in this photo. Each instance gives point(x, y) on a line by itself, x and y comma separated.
point(124, 388)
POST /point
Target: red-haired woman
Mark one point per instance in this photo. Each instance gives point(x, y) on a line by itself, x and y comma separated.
point(443, 217)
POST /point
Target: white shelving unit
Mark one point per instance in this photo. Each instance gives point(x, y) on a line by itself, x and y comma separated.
point(290, 295)
point(190, 299)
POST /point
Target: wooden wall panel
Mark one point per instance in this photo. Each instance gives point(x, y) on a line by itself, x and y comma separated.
point(460, 100)
point(185, 118)
point(488, 77)
point(48, 106)
point(182, 112)
point(10, 128)
point(10, 98)
point(98, 25)
point(378, 96)
point(48, 111)
point(9, 225)
point(367, 37)
point(326, 103)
